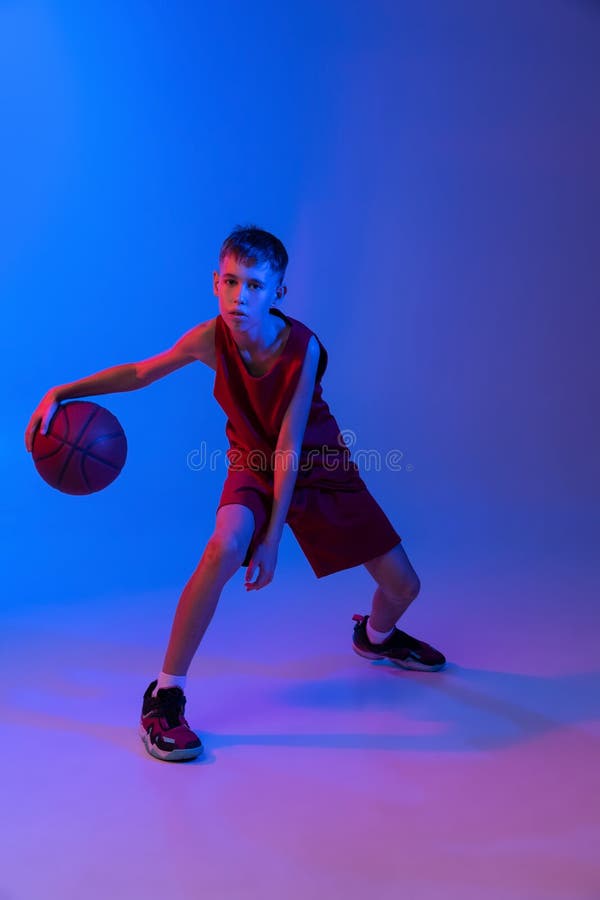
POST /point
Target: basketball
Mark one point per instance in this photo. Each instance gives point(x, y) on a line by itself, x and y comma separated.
point(83, 450)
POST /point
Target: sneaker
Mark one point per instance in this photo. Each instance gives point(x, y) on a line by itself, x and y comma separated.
point(163, 728)
point(400, 648)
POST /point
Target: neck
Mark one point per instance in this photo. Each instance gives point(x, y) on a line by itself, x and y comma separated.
point(257, 338)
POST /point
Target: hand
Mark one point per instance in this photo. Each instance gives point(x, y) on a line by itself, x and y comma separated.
point(265, 559)
point(43, 413)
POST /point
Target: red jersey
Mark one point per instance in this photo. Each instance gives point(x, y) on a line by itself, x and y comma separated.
point(255, 407)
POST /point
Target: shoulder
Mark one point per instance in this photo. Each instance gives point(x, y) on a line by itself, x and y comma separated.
point(317, 352)
point(313, 352)
point(313, 346)
point(308, 362)
point(199, 342)
point(310, 365)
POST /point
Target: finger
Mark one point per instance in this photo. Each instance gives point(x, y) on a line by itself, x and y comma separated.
point(47, 421)
point(251, 585)
point(262, 581)
point(30, 436)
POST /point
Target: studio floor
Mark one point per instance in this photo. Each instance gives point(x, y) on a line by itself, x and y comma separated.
point(324, 774)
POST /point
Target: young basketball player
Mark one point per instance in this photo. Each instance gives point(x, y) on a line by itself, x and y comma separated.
point(287, 463)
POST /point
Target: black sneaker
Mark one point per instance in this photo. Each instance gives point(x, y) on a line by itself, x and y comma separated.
point(163, 728)
point(400, 648)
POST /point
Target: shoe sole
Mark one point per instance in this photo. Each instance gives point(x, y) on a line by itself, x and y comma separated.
point(404, 664)
point(167, 755)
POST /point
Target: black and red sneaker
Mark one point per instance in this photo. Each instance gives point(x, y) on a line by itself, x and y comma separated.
point(400, 648)
point(163, 728)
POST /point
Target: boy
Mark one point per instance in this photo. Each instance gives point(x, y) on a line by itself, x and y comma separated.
point(287, 463)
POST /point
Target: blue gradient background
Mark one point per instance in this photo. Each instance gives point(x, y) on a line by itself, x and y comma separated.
point(432, 170)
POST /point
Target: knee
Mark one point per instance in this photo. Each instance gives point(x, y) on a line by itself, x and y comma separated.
point(225, 551)
point(414, 587)
point(406, 589)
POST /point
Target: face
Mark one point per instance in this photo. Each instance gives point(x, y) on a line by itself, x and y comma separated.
point(249, 291)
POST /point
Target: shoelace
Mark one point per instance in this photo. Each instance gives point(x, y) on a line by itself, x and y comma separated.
point(408, 641)
point(170, 705)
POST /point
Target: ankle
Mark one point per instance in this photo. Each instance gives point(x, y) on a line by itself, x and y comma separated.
point(166, 680)
point(377, 637)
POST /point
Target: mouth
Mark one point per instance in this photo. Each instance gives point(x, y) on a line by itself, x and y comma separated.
point(238, 315)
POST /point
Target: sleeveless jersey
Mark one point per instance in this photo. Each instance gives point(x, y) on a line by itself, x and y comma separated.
point(256, 405)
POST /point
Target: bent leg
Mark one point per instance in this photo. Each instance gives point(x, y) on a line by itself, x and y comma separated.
point(398, 585)
point(222, 557)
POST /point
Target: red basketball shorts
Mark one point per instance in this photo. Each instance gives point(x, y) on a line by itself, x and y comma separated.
point(335, 529)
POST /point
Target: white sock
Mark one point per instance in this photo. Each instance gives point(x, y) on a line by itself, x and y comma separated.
point(166, 681)
point(377, 637)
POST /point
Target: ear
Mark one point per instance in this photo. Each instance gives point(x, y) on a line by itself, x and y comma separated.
point(216, 283)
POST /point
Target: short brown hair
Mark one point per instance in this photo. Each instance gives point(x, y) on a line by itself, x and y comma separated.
point(248, 242)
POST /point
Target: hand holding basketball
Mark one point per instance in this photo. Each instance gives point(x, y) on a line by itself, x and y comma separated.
point(42, 416)
point(80, 446)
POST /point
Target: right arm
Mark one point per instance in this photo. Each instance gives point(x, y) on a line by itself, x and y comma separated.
point(196, 344)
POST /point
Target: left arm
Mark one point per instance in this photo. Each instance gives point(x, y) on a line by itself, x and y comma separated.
point(289, 442)
point(287, 456)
